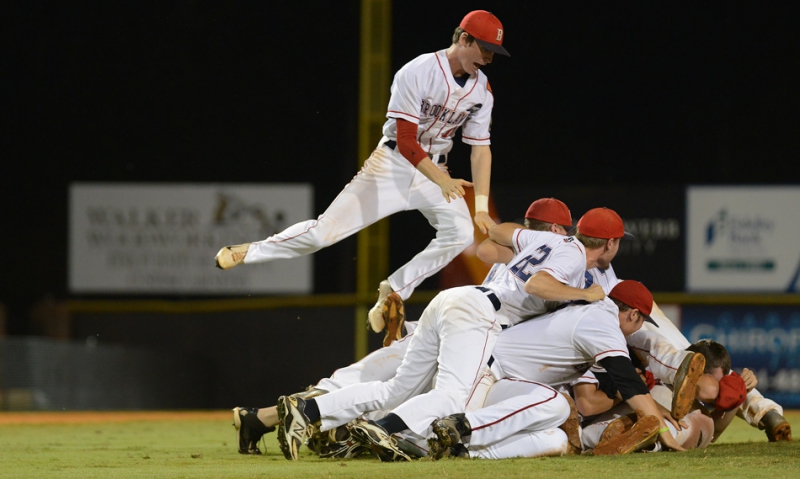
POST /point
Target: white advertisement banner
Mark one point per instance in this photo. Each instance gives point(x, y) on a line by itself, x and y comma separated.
point(162, 238)
point(743, 238)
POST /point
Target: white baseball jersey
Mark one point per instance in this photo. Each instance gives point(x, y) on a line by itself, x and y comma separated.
point(563, 257)
point(424, 92)
point(556, 348)
point(606, 278)
point(456, 335)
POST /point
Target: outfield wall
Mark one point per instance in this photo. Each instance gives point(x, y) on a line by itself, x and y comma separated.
point(220, 354)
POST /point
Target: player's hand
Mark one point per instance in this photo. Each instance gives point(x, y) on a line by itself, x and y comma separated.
point(484, 221)
point(669, 442)
point(667, 415)
point(750, 379)
point(453, 188)
point(594, 293)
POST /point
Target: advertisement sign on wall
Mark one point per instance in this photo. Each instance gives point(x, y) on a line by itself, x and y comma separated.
point(743, 239)
point(162, 238)
point(764, 339)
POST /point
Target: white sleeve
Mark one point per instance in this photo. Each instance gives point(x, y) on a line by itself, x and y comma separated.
point(404, 102)
point(476, 130)
point(598, 336)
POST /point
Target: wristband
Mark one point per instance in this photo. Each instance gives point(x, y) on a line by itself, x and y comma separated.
point(663, 430)
point(481, 203)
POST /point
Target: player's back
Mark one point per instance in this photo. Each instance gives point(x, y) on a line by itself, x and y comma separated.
point(555, 348)
point(563, 257)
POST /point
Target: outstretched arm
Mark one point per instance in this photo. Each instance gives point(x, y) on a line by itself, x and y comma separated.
point(481, 161)
point(491, 252)
point(543, 285)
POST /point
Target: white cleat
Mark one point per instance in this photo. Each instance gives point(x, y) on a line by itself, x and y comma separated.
point(375, 315)
point(230, 256)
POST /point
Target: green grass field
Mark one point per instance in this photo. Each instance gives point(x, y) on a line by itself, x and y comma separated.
point(203, 445)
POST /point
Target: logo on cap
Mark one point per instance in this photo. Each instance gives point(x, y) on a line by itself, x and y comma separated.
point(486, 29)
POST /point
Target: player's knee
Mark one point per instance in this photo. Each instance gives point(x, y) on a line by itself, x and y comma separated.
point(559, 408)
point(464, 234)
point(700, 431)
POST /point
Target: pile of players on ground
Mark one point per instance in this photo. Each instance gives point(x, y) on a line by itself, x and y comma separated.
point(551, 355)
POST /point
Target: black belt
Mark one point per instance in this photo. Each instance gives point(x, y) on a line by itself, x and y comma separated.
point(489, 294)
point(438, 159)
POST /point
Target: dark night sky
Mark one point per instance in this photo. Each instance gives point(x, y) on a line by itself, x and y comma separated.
point(595, 93)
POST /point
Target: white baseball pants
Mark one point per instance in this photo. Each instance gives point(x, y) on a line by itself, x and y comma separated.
point(518, 420)
point(657, 353)
point(386, 184)
point(454, 338)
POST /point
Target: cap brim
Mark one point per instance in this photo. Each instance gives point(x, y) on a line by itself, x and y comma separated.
point(649, 320)
point(571, 232)
point(493, 48)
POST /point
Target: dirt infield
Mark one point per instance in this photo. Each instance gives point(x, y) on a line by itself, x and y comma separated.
point(78, 417)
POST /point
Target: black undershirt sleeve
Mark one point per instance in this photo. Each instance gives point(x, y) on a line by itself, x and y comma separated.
point(624, 376)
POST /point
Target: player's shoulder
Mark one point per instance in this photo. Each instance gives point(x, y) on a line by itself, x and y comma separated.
point(423, 62)
point(602, 311)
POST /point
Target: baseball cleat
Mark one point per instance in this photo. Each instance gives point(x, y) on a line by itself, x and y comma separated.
point(642, 435)
point(684, 386)
point(336, 443)
point(572, 426)
point(616, 427)
point(451, 430)
point(379, 442)
point(295, 425)
point(776, 426)
point(411, 449)
point(376, 315)
point(394, 316)
point(249, 429)
point(437, 451)
point(310, 392)
point(230, 256)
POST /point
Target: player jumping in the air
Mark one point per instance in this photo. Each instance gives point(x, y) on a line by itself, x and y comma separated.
point(431, 97)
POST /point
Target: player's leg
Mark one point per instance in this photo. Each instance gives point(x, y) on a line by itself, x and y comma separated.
point(377, 191)
point(379, 365)
point(765, 414)
point(513, 406)
point(666, 328)
point(454, 233)
point(677, 367)
point(467, 331)
point(413, 376)
point(549, 442)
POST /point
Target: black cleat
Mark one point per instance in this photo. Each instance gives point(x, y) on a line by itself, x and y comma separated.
point(249, 429)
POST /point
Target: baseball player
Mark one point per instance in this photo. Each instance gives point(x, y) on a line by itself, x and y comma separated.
point(719, 393)
point(758, 411)
point(555, 349)
point(546, 215)
point(456, 333)
point(432, 96)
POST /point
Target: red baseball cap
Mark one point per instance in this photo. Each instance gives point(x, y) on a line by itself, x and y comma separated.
point(732, 392)
point(550, 210)
point(487, 30)
point(636, 295)
point(603, 223)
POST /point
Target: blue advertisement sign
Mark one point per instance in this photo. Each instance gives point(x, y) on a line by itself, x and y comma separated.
point(764, 339)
